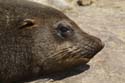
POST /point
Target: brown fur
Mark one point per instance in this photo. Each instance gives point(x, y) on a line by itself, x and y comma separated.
point(31, 45)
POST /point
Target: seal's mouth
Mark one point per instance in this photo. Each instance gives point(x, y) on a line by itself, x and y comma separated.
point(90, 50)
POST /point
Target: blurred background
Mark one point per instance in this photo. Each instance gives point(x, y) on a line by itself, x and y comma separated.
point(106, 20)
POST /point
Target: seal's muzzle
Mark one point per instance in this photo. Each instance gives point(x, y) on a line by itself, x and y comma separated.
point(91, 49)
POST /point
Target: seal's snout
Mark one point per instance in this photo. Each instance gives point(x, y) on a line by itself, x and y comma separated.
point(92, 48)
point(99, 46)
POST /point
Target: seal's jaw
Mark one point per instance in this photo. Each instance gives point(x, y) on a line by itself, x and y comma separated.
point(71, 56)
point(62, 64)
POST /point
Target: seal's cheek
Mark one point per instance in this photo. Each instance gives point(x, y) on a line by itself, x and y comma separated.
point(60, 63)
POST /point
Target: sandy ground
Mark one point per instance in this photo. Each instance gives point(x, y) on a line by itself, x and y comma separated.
point(106, 20)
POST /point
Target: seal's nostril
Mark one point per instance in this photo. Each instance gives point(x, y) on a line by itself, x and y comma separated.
point(100, 46)
point(103, 45)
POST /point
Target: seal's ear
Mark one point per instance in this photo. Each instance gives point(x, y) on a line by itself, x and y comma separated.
point(27, 23)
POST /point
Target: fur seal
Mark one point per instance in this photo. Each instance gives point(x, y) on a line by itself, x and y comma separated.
point(36, 39)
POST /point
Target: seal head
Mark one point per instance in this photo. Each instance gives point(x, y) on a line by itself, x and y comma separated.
point(71, 46)
point(36, 39)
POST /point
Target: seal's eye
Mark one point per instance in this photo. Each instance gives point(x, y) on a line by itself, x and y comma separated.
point(64, 31)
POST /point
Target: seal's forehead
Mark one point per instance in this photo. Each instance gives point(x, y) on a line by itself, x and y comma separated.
point(30, 10)
point(53, 13)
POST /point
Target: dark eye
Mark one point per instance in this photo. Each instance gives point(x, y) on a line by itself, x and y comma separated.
point(64, 31)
